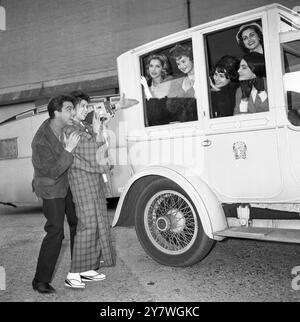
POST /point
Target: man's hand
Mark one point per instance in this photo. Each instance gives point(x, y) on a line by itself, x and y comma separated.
point(125, 103)
point(100, 121)
point(71, 141)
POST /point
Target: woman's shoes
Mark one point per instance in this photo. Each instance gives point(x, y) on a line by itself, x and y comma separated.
point(73, 280)
point(92, 276)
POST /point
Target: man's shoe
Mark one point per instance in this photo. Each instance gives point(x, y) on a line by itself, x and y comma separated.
point(73, 283)
point(92, 276)
point(42, 287)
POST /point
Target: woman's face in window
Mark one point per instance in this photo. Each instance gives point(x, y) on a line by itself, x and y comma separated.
point(185, 64)
point(244, 71)
point(251, 39)
point(155, 68)
point(220, 79)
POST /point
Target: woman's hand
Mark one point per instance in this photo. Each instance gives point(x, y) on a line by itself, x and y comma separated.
point(144, 81)
point(146, 87)
point(214, 88)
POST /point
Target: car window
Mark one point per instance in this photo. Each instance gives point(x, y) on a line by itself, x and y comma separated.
point(237, 75)
point(291, 78)
point(167, 81)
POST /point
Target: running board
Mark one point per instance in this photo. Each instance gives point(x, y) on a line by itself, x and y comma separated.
point(271, 234)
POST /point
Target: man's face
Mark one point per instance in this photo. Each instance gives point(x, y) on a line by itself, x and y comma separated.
point(81, 110)
point(67, 113)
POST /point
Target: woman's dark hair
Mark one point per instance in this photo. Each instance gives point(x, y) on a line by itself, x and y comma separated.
point(229, 66)
point(256, 63)
point(254, 27)
point(79, 96)
point(56, 104)
point(164, 63)
point(181, 50)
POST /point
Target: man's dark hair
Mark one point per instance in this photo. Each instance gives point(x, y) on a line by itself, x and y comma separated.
point(56, 104)
point(79, 96)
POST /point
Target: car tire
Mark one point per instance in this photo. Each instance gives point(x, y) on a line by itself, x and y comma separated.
point(168, 225)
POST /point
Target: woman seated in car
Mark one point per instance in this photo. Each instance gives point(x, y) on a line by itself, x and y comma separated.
point(251, 96)
point(156, 86)
point(181, 99)
point(157, 81)
point(224, 83)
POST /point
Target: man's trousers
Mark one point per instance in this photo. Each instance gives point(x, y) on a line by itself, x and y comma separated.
point(54, 211)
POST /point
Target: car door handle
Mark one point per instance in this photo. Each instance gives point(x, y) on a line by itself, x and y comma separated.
point(206, 142)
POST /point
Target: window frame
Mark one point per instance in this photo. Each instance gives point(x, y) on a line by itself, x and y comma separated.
point(214, 125)
point(168, 43)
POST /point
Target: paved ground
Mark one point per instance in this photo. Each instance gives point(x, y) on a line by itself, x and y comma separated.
point(235, 270)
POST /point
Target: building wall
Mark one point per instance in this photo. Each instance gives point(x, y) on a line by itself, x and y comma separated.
point(61, 41)
point(206, 10)
point(49, 43)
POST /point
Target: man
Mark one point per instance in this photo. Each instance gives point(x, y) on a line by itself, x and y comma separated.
point(51, 158)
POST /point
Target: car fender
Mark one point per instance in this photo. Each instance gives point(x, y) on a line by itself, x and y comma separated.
point(207, 204)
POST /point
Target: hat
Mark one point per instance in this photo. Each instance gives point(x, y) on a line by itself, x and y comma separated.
point(245, 27)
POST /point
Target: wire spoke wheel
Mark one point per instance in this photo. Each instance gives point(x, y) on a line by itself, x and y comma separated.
point(170, 222)
point(168, 225)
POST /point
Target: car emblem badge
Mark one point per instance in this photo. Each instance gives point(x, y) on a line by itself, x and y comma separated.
point(239, 149)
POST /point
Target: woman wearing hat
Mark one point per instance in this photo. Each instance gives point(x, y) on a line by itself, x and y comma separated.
point(251, 96)
point(250, 38)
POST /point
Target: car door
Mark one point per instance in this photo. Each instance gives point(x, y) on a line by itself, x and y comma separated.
point(240, 151)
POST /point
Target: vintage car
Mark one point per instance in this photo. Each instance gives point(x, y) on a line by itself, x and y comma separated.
point(199, 177)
